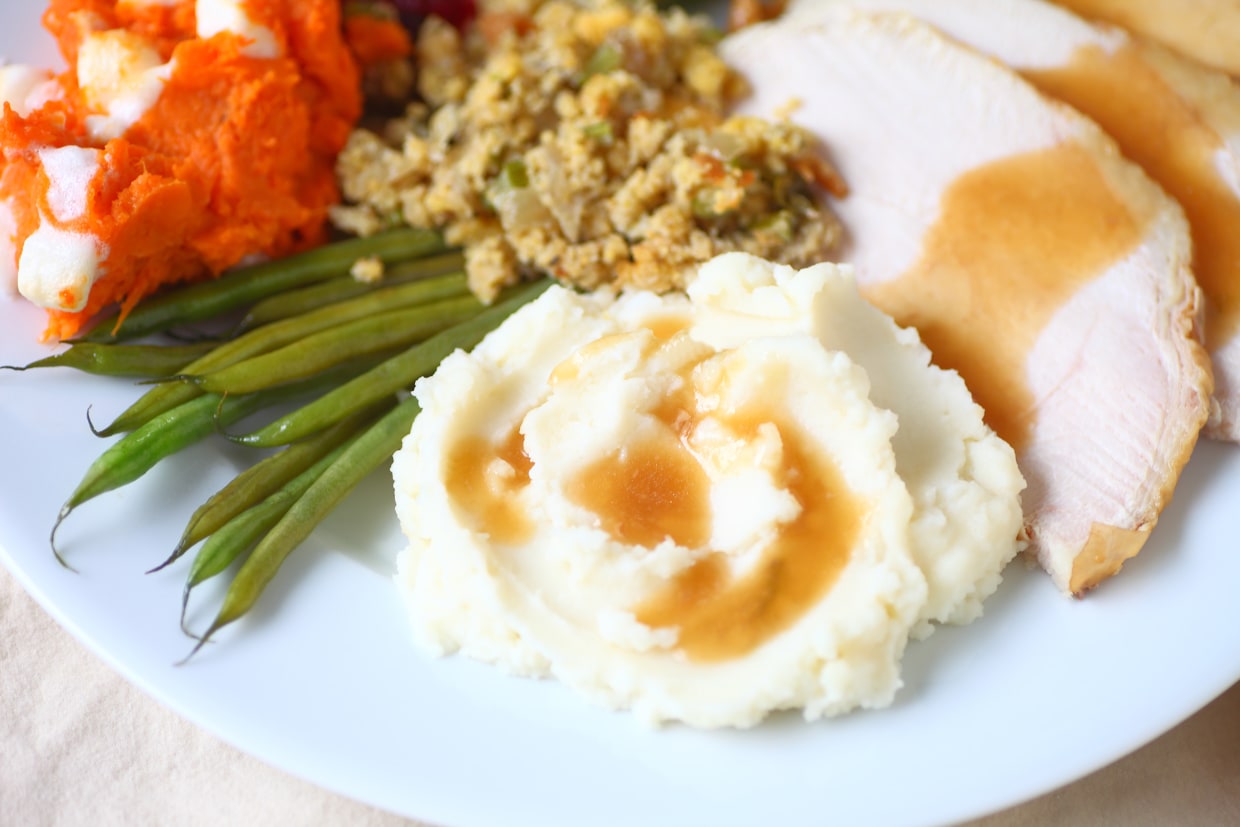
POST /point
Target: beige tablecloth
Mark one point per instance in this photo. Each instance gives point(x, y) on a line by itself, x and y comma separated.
point(79, 745)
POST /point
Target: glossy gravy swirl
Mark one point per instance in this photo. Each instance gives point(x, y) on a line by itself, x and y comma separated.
point(720, 616)
point(651, 489)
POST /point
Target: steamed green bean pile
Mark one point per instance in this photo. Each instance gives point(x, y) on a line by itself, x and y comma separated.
point(342, 353)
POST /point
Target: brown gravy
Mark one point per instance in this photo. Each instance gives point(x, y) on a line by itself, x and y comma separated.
point(1014, 240)
point(665, 327)
point(646, 492)
point(655, 488)
point(1203, 30)
point(1162, 133)
point(721, 617)
point(490, 498)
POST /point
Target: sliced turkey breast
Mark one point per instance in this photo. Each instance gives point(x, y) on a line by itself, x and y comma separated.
point(1178, 119)
point(1206, 30)
point(1032, 258)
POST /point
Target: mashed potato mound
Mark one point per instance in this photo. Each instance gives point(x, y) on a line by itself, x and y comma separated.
point(699, 507)
point(963, 478)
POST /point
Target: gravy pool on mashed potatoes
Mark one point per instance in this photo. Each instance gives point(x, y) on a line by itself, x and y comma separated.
point(703, 507)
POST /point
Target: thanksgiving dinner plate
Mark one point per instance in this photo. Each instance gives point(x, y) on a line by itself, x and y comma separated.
point(323, 680)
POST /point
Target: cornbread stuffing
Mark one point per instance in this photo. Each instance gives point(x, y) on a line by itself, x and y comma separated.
point(589, 141)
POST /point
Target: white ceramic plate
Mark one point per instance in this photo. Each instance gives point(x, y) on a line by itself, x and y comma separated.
point(322, 679)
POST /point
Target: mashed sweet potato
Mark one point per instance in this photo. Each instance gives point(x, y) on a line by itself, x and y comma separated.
point(208, 132)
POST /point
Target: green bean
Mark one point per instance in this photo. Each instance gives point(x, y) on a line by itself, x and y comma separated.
point(361, 456)
point(397, 328)
point(287, 331)
point(305, 299)
point(243, 530)
point(246, 285)
point(146, 361)
point(278, 334)
point(139, 451)
point(155, 402)
point(259, 481)
point(395, 374)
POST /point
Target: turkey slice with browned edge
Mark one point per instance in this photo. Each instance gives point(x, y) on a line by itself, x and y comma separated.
point(1029, 254)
